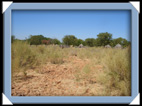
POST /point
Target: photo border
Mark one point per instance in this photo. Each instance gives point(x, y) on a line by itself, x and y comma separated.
point(72, 99)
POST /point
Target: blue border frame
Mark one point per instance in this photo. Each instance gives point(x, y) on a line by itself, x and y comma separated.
point(72, 99)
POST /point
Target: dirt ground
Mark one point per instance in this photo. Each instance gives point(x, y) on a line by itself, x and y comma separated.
point(58, 80)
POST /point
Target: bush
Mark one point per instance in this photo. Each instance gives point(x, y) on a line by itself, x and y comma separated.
point(115, 73)
point(23, 57)
point(56, 58)
point(55, 55)
point(118, 71)
point(41, 49)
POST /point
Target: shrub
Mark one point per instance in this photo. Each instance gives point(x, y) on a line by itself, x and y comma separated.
point(118, 71)
point(56, 58)
point(41, 49)
point(23, 57)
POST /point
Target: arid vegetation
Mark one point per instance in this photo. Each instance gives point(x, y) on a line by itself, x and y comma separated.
point(49, 70)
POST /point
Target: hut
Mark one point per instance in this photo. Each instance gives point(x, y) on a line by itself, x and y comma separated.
point(80, 46)
point(118, 46)
point(107, 46)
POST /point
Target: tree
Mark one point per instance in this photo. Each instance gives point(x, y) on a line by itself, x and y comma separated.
point(104, 39)
point(47, 38)
point(121, 41)
point(36, 40)
point(70, 40)
point(90, 42)
point(12, 38)
point(55, 41)
point(112, 43)
point(79, 41)
point(125, 43)
point(46, 42)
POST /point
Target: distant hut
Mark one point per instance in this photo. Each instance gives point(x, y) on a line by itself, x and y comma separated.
point(107, 46)
point(118, 46)
point(80, 46)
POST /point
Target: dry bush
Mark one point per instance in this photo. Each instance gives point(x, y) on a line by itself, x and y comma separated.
point(22, 57)
point(117, 76)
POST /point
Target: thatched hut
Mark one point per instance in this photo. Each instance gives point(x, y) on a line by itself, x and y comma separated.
point(80, 46)
point(107, 46)
point(118, 46)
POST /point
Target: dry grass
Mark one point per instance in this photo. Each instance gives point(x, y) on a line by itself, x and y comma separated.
point(52, 71)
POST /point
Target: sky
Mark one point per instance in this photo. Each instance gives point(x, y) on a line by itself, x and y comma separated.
point(81, 23)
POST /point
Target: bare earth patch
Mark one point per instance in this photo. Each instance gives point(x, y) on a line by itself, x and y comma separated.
point(59, 80)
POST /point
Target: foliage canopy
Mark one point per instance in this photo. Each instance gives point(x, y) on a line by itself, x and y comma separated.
point(101, 40)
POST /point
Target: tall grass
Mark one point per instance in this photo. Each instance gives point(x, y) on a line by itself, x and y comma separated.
point(26, 57)
point(23, 57)
point(116, 74)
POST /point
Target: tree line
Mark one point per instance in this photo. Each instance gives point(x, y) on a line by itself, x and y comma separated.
point(101, 40)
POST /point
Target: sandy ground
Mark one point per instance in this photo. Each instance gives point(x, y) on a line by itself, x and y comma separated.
point(58, 80)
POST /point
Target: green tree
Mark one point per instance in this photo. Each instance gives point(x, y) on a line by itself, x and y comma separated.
point(79, 41)
point(112, 43)
point(90, 42)
point(125, 43)
point(104, 39)
point(47, 38)
point(70, 40)
point(121, 41)
point(36, 39)
point(55, 41)
point(12, 38)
